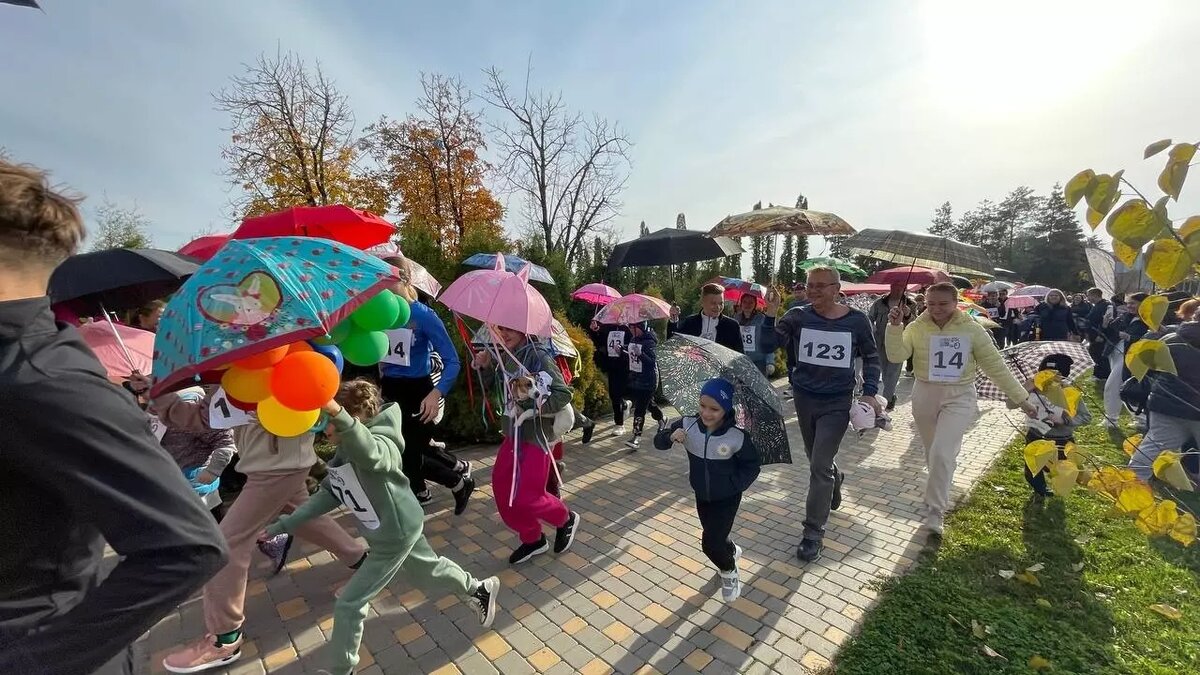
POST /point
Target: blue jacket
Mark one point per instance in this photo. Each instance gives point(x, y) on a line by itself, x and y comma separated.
point(428, 333)
point(647, 379)
point(721, 463)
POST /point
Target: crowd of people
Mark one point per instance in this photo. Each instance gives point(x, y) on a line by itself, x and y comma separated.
point(81, 466)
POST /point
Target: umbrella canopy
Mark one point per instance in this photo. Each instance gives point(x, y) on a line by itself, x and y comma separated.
point(120, 349)
point(21, 3)
point(512, 264)
point(875, 289)
point(686, 362)
point(1024, 358)
point(1034, 291)
point(996, 286)
point(634, 308)
point(119, 279)
point(560, 341)
point(961, 282)
point(783, 220)
point(736, 288)
point(1006, 274)
point(501, 298)
point(360, 229)
point(908, 274)
point(1021, 302)
point(926, 250)
point(595, 294)
point(258, 295)
point(671, 246)
point(419, 277)
point(205, 247)
point(845, 268)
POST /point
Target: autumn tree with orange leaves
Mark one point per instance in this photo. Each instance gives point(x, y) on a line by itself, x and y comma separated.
point(432, 165)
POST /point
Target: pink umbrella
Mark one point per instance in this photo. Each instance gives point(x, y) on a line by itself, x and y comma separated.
point(634, 308)
point(909, 274)
point(1021, 302)
point(500, 298)
point(120, 349)
point(596, 294)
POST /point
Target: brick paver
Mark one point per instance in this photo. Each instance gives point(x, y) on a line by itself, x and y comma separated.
point(635, 593)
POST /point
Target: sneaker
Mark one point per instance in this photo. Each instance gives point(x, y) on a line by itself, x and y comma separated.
point(809, 550)
point(737, 555)
point(662, 424)
point(424, 498)
point(588, 430)
point(836, 502)
point(618, 430)
point(565, 535)
point(463, 494)
point(526, 551)
point(483, 600)
point(276, 548)
point(463, 467)
point(441, 445)
point(933, 523)
point(633, 443)
point(203, 654)
point(731, 586)
point(891, 404)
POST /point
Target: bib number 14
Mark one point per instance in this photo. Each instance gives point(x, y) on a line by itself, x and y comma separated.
point(948, 357)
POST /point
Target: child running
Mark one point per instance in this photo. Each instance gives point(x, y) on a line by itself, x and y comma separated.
point(643, 379)
point(723, 463)
point(366, 476)
point(1062, 424)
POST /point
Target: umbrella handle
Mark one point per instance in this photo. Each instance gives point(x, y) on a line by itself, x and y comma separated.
point(116, 334)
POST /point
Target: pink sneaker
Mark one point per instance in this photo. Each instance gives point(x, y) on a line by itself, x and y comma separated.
point(203, 654)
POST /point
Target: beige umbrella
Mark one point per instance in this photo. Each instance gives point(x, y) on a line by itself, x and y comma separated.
point(783, 220)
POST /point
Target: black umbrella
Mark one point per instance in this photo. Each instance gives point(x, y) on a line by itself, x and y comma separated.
point(118, 279)
point(671, 246)
point(925, 250)
point(21, 3)
point(686, 362)
point(961, 282)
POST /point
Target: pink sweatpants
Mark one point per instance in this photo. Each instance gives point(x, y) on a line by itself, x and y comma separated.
point(531, 505)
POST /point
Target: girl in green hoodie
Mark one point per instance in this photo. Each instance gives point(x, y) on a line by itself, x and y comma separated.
point(366, 476)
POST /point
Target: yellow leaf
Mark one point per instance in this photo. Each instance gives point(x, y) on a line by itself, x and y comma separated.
point(1062, 476)
point(1158, 519)
point(1131, 444)
point(1146, 355)
point(1038, 454)
point(1189, 232)
point(1111, 480)
point(1168, 469)
point(1135, 497)
point(1044, 378)
point(978, 630)
point(1184, 530)
point(1028, 578)
point(1072, 396)
point(1038, 663)
point(1167, 611)
point(1134, 224)
point(1070, 452)
point(1078, 186)
point(1168, 262)
point(1153, 309)
point(1042, 602)
point(1125, 253)
point(1170, 181)
point(1156, 147)
point(1085, 477)
point(1104, 191)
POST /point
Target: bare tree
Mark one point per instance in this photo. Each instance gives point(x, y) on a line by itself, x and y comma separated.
point(291, 139)
point(120, 227)
point(569, 170)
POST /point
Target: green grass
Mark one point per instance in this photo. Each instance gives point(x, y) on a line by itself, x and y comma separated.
point(1098, 619)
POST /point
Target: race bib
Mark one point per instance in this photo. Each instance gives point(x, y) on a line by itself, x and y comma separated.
point(616, 342)
point(157, 427)
point(345, 486)
point(635, 357)
point(824, 348)
point(399, 347)
point(993, 312)
point(224, 415)
point(750, 338)
point(948, 357)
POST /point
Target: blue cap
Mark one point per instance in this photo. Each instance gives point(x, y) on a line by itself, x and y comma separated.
point(720, 391)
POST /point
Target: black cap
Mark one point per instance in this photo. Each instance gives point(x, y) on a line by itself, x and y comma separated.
point(1060, 362)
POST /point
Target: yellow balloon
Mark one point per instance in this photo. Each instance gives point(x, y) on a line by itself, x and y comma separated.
point(247, 386)
point(283, 421)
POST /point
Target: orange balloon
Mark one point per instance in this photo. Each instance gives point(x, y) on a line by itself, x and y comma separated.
point(301, 346)
point(249, 386)
point(263, 360)
point(304, 381)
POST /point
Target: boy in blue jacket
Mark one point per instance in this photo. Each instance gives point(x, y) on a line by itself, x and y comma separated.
point(723, 463)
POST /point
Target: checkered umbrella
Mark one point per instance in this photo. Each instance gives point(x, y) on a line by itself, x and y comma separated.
point(783, 220)
point(925, 250)
point(1023, 360)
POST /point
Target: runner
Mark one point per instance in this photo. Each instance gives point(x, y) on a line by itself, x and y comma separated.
point(643, 380)
point(759, 344)
point(710, 324)
point(405, 380)
point(612, 360)
point(946, 345)
point(827, 338)
point(879, 319)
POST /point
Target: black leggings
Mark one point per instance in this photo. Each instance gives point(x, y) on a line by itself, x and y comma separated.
point(617, 387)
point(420, 459)
point(643, 401)
point(716, 519)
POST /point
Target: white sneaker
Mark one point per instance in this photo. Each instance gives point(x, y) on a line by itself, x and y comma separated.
point(618, 431)
point(634, 442)
point(737, 555)
point(933, 522)
point(731, 586)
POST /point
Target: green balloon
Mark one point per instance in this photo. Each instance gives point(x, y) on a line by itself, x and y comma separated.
point(336, 335)
point(378, 313)
point(404, 315)
point(364, 348)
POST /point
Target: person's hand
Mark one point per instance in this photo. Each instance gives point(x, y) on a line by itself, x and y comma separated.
point(773, 302)
point(907, 309)
point(1123, 335)
point(332, 408)
point(262, 535)
point(429, 406)
point(139, 383)
point(873, 402)
point(1029, 408)
point(895, 316)
point(204, 478)
point(595, 325)
point(678, 436)
point(481, 360)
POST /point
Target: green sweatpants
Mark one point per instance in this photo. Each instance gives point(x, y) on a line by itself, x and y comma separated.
point(422, 568)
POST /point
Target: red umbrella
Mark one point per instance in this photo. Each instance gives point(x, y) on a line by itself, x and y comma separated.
point(360, 229)
point(909, 274)
point(203, 248)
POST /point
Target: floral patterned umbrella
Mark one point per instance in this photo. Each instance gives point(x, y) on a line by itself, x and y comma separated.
point(633, 308)
point(783, 220)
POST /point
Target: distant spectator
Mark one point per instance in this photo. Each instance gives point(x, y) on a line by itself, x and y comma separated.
point(1055, 318)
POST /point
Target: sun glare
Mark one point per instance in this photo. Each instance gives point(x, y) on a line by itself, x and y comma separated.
point(1020, 56)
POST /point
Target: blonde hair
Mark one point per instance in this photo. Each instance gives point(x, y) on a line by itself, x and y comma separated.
point(361, 398)
point(37, 224)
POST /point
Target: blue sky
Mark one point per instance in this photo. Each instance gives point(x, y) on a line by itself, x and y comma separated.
point(878, 111)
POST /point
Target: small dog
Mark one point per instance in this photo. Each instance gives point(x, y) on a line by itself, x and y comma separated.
point(537, 388)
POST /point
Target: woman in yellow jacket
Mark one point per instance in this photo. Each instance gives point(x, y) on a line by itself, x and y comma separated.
point(946, 345)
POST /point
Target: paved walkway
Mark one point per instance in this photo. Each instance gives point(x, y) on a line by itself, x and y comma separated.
point(634, 594)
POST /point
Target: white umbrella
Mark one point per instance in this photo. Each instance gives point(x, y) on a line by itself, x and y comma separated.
point(1035, 291)
point(996, 286)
